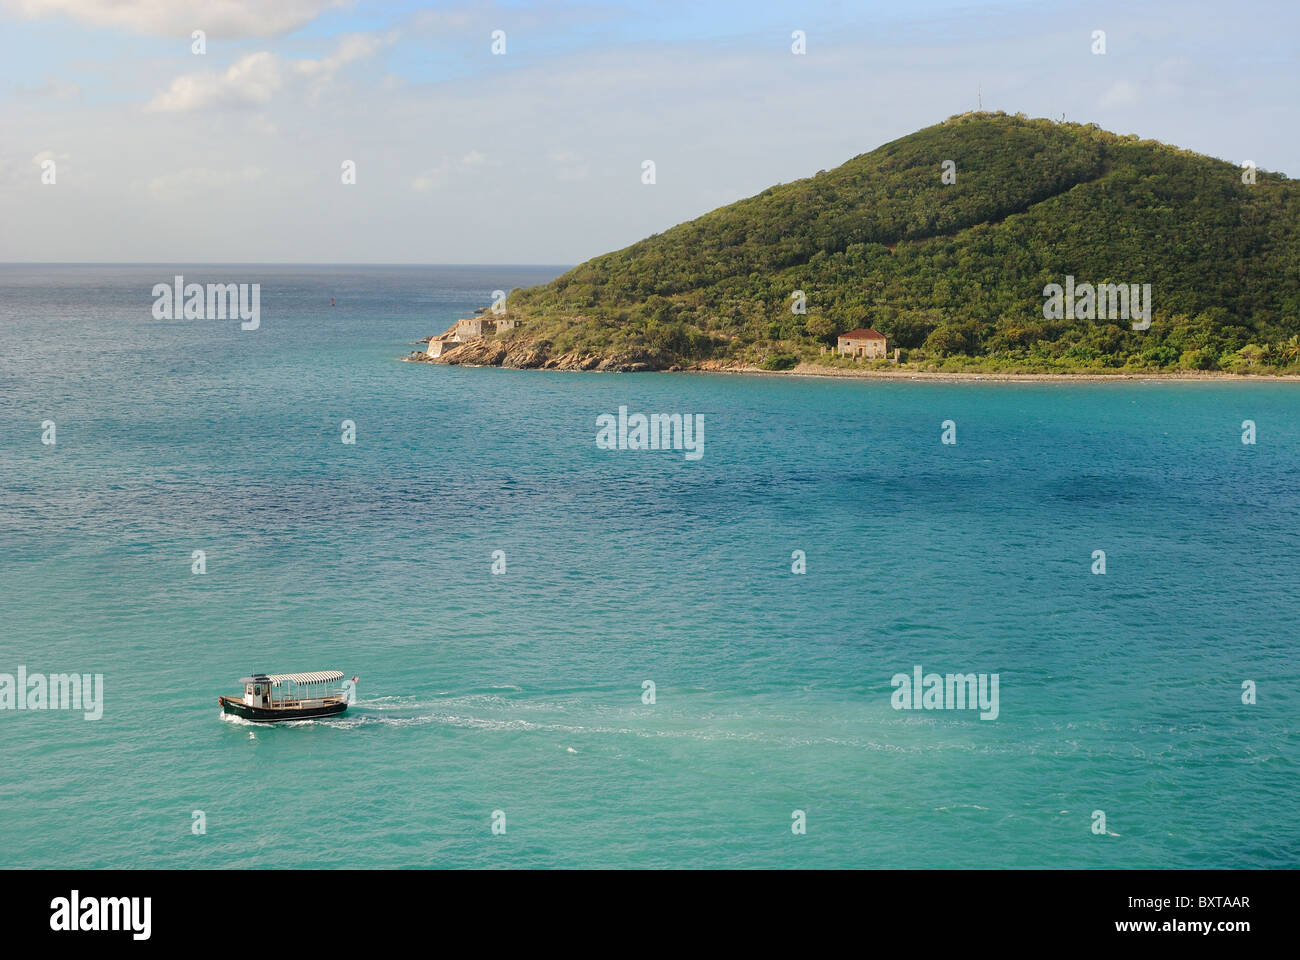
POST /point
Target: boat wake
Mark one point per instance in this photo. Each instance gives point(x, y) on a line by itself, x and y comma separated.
point(492, 712)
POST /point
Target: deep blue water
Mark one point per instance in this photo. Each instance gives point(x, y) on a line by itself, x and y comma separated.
point(522, 692)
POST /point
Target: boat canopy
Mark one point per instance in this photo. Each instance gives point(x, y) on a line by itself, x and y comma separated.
point(275, 679)
point(324, 676)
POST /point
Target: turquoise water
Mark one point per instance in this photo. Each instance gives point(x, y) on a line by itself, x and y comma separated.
point(522, 692)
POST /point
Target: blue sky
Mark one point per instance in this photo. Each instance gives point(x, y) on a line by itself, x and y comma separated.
point(536, 156)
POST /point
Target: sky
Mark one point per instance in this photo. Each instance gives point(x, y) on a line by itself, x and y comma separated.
point(236, 154)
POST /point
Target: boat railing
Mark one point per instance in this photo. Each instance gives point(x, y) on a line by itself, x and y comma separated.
point(302, 702)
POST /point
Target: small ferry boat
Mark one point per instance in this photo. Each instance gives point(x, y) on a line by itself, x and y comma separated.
point(269, 698)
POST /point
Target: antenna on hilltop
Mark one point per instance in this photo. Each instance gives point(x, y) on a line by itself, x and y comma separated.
point(979, 96)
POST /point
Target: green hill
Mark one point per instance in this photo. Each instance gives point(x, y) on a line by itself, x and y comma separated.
point(953, 273)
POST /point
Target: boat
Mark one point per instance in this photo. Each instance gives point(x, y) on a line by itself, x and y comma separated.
point(270, 698)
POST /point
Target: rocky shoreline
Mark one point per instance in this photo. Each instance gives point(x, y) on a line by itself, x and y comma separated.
point(521, 353)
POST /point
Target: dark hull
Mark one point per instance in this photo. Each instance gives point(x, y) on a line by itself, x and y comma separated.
point(263, 715)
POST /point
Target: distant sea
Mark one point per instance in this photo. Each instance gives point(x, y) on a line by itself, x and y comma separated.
point(519, 697)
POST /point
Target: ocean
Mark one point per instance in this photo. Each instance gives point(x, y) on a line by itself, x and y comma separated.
point(506, 719)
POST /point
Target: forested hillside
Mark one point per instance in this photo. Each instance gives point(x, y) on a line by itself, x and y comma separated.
point(953, 273)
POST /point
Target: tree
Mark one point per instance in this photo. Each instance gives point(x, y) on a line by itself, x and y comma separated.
point(945, 340)
point(818, 326)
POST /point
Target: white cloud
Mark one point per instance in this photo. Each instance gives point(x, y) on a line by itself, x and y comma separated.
point(250, 81)
point(220, 18)
point(354, 46)
point(1122, 93)
point(254, 79)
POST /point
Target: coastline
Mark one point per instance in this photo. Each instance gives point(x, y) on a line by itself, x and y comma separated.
point(812, 370)
point(938, 376)
point(468, 347)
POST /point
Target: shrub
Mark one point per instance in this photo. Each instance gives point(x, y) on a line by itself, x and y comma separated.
point(779, 361)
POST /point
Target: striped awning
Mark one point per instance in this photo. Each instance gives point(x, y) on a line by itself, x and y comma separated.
point(324, 676)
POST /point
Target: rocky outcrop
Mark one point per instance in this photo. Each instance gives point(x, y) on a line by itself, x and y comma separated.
point(723, 366)
point(520, 357)
point(574, 361)
point(474, 353)
point(629, 363)
point(520, 353)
